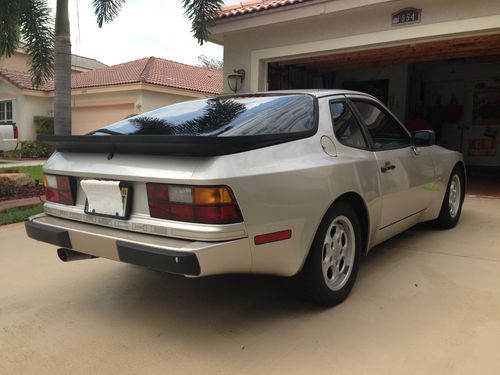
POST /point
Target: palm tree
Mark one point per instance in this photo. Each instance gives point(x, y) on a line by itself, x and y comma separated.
point(106, 11)
point(30, 21)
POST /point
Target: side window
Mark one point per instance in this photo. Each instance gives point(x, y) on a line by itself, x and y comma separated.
point(386, 132)
point(346, 127)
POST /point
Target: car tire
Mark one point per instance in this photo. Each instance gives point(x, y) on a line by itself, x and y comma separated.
point(333, 261)
point(453, 200)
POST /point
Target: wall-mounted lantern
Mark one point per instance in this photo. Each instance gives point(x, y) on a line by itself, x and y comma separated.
point(235, 79)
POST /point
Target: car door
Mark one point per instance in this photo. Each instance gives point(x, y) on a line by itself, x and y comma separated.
point(405, 173)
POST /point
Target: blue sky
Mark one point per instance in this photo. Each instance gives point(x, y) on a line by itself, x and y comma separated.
point(143, 28)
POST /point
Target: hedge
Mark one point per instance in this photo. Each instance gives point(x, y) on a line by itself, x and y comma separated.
point(44, 125)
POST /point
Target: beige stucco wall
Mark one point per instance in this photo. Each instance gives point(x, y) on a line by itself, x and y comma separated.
point(361, 28)
point(33, 106)
point(87, 119)
point(86, 97)
point(17, 62)
point(7, 91)
point(153, 100)
point(93, 110)
point(25, 108)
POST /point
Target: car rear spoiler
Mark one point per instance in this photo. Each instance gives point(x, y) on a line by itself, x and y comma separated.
point(167, 144)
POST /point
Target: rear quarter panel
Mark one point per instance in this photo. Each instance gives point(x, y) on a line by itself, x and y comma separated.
point(290, 186)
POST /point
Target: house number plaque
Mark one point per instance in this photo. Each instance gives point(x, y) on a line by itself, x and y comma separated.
point(406, 16)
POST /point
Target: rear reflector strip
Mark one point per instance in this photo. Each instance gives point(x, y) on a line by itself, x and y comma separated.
point(273, 237)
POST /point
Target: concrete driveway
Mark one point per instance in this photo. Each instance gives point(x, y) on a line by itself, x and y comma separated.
point(427, 302)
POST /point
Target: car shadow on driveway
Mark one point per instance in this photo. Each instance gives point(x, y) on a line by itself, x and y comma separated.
point(198, 312)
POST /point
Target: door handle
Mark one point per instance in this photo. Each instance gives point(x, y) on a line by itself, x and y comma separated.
point(387, 167)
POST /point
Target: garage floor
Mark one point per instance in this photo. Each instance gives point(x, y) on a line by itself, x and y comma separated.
point(425, 302)
point(484, 182)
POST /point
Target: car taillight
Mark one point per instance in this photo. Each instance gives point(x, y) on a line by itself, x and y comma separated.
point(16, 131)
point(197, 204)
point(60, 189)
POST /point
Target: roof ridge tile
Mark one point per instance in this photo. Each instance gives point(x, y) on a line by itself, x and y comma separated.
point(145, 72)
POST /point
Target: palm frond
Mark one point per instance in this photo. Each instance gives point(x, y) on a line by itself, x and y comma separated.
point(37, 30)
point(202, 14)
point(10, 11)
point(106, 10)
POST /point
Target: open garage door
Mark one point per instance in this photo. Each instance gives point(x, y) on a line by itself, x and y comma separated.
point(451, 86)
point(87, 119)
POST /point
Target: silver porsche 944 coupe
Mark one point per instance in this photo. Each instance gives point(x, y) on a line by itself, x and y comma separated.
point(296, 184)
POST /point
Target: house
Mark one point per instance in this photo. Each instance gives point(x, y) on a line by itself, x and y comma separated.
point(437, 61)
point(107, 94)
point(33, 102)
point(19, 61)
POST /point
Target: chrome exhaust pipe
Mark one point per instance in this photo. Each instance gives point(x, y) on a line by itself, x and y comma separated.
point(67, 255)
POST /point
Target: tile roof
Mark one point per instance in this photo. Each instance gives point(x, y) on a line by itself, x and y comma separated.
point(151, 70)
point(253, 6)
point(23, 80)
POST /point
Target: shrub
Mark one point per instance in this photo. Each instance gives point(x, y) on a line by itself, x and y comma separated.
point(35, 149)
point(6, 190)
point(14, 154)
point(44, 125)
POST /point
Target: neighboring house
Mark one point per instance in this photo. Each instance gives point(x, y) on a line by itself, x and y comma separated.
point(103, 96)
point(19, 62)
point(106, 95)
point(23, 103)
point(434, 62)
point(81, 64)
point(20, 95)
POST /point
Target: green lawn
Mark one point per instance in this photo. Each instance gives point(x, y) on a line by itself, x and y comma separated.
point(35, 171)
point(15, 215)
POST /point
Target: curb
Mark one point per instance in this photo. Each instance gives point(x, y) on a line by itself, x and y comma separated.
point(24, 202)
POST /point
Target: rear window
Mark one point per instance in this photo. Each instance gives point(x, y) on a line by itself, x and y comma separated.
point(223, 117)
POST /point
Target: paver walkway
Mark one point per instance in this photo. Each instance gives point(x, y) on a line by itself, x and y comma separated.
point(4, 163)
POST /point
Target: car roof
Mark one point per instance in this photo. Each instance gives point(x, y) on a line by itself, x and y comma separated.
point(319, 93)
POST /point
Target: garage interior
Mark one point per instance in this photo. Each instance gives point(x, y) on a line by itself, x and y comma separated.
point(451, 86)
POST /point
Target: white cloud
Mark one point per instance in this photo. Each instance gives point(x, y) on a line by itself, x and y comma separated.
point(143, 28)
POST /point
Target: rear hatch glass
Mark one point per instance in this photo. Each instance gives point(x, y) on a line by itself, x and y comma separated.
point(223, 117)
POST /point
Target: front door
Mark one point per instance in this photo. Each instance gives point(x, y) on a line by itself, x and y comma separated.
point(405, 173)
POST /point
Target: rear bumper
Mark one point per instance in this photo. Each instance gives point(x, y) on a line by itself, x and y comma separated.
point(190, 258)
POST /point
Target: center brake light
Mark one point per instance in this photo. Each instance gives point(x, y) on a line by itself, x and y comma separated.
point(60, 189)
point(196, 204)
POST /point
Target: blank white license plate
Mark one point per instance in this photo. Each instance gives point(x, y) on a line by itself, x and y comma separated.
point(107, 198)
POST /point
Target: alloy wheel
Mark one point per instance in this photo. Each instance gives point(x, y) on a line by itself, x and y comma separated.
point(454, 195)
point(338, 254)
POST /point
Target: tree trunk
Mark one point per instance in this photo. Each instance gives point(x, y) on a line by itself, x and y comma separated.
point(62, 71)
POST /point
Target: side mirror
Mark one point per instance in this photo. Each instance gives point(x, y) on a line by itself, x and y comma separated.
point(423, 138)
